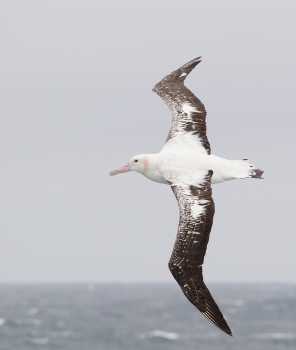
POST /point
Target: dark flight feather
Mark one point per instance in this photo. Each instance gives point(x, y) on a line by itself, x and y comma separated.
point(197, 209)
point(188, 112)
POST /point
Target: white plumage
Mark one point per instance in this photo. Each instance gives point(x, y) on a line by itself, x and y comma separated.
point(186, 164)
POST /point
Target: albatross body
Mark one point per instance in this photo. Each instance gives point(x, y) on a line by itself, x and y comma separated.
point(186, 164)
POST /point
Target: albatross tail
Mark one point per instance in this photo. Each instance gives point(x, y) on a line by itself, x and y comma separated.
point(257, 174)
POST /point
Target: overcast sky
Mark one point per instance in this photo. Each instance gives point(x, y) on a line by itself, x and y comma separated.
point(76, 101)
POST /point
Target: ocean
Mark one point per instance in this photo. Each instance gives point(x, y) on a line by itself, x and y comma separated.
point(144, 316)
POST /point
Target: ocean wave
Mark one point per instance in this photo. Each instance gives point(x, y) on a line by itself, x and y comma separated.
point(276, 336)
point(33, 311)
point(91, 287)
point(238, 302)
point(62, 334)
point(35, 322)
point(232, 310)
point(160, 334)
point(235, 303)
point(32, 322)
point(39, 341)
point(60, 324)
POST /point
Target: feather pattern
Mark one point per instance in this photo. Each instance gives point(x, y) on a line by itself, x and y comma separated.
point(186, 164)
point(196, 208)
point(188, 112)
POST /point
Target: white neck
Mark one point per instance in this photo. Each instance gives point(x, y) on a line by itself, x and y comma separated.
point(151, 169)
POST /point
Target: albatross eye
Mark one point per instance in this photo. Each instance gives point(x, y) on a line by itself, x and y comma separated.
point(135, 160)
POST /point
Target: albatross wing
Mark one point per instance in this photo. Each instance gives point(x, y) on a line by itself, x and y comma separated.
point(197, 209)
point(188, 112)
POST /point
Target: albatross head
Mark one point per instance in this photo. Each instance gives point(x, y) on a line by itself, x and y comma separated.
point(137, 163)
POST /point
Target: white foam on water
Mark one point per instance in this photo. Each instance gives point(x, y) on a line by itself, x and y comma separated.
point(160, 334)
point(40, 341)
point(62, 334)
point(2, 321)
point(66, 334)
point(276, 336)
point(32, 321)
point(33, 311)
point(238, 302)
point(60, 324)
point(232, 310)
point(36, 322)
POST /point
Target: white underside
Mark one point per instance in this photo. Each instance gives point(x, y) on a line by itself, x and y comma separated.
point(183, 160)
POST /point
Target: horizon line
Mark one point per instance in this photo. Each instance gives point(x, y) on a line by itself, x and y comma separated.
point(139, 282)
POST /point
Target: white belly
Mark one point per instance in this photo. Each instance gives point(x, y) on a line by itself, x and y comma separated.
point(187, 168)
point(184, 160)
point(156, 176)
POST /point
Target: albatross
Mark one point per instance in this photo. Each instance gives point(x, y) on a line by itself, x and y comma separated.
point(186, 164)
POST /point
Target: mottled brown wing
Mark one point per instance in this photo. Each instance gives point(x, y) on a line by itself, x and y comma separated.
point(188, 112)
point(196, 208)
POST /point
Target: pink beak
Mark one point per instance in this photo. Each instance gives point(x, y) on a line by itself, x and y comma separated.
point(123, 169)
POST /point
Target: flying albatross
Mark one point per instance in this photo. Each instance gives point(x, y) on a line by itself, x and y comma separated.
point(186, 164)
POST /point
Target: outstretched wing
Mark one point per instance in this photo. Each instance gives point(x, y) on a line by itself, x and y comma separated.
point(188, 112)
point(196, 216)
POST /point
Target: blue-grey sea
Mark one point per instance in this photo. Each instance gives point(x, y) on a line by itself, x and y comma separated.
point(143, 316)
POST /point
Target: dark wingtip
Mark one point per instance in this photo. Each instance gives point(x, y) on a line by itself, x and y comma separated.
point(191, 64)
point(227, 330)
point(219, 322)
point(180, 74)
point(213, 313)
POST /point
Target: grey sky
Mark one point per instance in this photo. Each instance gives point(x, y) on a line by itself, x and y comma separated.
point(76, 101)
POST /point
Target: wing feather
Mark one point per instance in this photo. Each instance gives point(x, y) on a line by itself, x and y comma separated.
point(190, 247)
point(188, 112)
